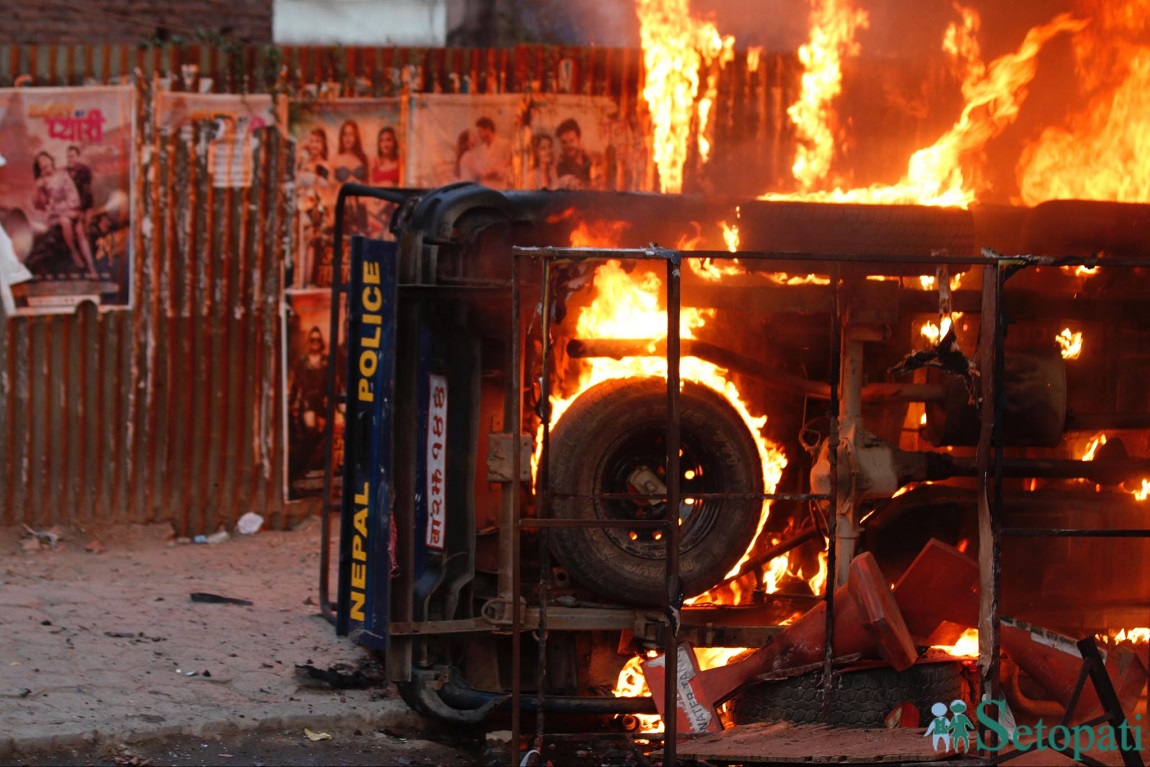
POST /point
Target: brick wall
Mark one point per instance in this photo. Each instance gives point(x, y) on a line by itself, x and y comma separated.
point(135, 21)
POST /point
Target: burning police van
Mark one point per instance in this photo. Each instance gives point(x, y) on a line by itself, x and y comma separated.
point(583, 427)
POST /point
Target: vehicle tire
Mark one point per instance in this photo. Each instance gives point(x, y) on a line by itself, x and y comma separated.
point(860, 230)
point(617, 428)
point(861, 698)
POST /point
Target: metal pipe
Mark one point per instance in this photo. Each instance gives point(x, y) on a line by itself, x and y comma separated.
point(618, 348)
point(702, 496)
point(674, 585)
point(850, 423)
point(544, 476)
point(510, 511)
point(1100, 472)
point(989, 639)
point(660, 254)
point(1024, 532)
point(833, 505)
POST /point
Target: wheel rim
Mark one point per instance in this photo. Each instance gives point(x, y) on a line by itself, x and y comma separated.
point(644, 450)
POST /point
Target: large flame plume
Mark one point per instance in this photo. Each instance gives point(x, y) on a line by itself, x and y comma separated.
point(993, 97)
point(1101, 151)
point(675, 48)
point(833, 27)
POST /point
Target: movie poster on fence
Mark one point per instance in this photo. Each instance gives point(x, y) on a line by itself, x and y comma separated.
point(65, 197)
point(513, 141)
point(308, 355)
point(342, 141)
point(580, 142)
point(232, 124)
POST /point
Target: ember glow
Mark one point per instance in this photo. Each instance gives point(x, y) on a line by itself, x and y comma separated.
point(675, 48)
point(833, 24)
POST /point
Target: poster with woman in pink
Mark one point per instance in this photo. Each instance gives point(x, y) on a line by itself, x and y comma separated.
point(341, 141)
point(65, 196)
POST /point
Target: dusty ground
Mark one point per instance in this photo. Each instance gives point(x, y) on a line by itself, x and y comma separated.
point(104, 655)
point(105, 659)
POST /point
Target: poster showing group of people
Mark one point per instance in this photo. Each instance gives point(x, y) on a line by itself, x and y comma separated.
point(508, 141)
point(65, 209)
point(503, 141)
point(358, 141)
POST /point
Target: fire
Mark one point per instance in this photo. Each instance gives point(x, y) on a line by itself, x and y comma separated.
point(1141, 493)
point(934, 333)
point(632, 684)
point(993, 98)
point(754, 54)
point(928, 283)
point(675, 46)
point(774, 572)
point(628, 305)
point(783, 278)
point(1140, 635)
point(1092, 447)
point(818, 581)
point(1070, 344)
point(1080, 271)
point(1100, 151)
point(833, 26)
point(965, 647)
point(730, 236)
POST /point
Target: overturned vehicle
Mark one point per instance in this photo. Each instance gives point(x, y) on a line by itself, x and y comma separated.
point(578, 427)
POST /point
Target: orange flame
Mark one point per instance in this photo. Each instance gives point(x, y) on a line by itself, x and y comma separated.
point(730, 236)
point(1092, 447)
point(1070, 344)
point(927, 282)
point(629, 305)
point(993, 97)
point(818, 581)
point(1136, 635)
point(632, 684)
point(965, 647)
point(833, 26)
point(934, 333)
point(675, 46)
point(1100, 152)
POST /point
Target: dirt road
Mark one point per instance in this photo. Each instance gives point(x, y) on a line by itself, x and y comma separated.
point(103, 645)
